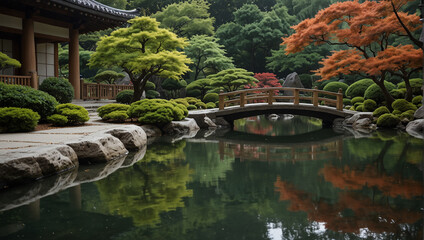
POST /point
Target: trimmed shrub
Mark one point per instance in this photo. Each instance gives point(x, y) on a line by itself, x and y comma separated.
point(388, 120)
point(369, 105)
point(112, 107)
point(151, 94)
point(335, 86)
point(211, 97)
point(210, 105)
point(59, 88)
point(150, 86)
point(352, 108)
point(13, 119)
point(27, 97)
point(192, 100)
point(182, 101)
point(374, 92)
point(402, 105)
point(380, 111)
point(191, 107)
point(358, 88)
point(125, 96)
point(356, 100)
point(357, 104)
point(415, 83)
point(306, 80)
point(157, 111)
point(116, 116)
point(200, 105)
point(347, 101)
point(360, 108)
point(398, 93)
point(57, 119)
point(417, 100)
point(74, 114)
point(408, 115)
point(396, 112)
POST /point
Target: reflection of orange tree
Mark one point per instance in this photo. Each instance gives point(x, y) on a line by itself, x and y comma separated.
point(376, 216)
point(392, 186)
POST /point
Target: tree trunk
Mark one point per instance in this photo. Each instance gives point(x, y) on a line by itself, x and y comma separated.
point(408, 87)
point(389, 99)
point(137, 92)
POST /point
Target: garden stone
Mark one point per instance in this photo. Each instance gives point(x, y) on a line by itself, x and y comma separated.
point(29, 164)
point(292, 81)
point(209, 122)
point(350, 121)
point(362, 123)
point(221, 122)
point(98, 148)
point(419, 114)
point(181, 127)
point(273, 117)
point(132, 136)
point(416, 128)
point(151, 131)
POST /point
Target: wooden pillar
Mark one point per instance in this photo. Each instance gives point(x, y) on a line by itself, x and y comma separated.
point(221, 100)
point(29, 62)
point(74, 65)
point(56, 59)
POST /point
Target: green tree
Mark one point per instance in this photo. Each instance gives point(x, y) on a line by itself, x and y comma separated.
point(142, 50)
point(120, 4)
point(187, 18)
point(173, 87)
point(232, 79)
point(199, 88)
point(85, 55)
point(108, 76)
point(207, 55)
point(6, 62)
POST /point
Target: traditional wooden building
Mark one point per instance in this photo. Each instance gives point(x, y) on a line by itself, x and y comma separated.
point(30, 31)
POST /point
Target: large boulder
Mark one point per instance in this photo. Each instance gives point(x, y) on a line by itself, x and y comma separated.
point(98, 148)
point(292, 81)
point(29, 164)
point(416, 128)
point(185, 126)
point(419, 114)
point(151, 131)
point(360, 115)
point(132, 136)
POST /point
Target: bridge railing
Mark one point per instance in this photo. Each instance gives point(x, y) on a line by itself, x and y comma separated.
point(270, 95)
point(97, 91)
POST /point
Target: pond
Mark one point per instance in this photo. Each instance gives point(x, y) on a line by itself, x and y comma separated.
point(287, 181)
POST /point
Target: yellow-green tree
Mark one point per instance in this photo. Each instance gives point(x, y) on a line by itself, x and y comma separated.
point(6, 61)
point(142, 50)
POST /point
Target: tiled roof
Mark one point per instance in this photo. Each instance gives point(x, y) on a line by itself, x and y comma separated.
point(93, 5)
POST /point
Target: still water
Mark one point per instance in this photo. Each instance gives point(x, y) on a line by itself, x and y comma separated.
point(287, 181)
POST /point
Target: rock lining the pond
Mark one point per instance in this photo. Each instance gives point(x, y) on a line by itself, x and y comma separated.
point(151, 131)
point(182, 127)
point(29, 164)
point(416, 128)
point(360, 115)
point(132, 136)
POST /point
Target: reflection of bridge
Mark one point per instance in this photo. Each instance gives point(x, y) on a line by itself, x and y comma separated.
point(284, 151)
point(258, 101)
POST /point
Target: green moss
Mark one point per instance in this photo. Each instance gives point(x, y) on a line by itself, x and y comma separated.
point(402, 105)
point(388, 120)
point(417, 100)
point(380, 111)
point(357, 100)
point(369, 105)
point(358, 88)
point(112, 107)
point(408, 115)
point(13, 119)
point(374, 91)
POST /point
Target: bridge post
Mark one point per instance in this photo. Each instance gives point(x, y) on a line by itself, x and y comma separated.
point(296, 96)
point(242, 99)
point(339, 103)
point(315, 97)
point(270, 97)
point(221, 100)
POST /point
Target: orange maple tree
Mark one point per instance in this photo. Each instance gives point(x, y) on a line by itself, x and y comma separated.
point(366, 29)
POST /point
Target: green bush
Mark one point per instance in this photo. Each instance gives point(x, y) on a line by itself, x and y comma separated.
point(408, 115)
point(358, 88)
point(415, 83)
point(210, 105)
point(335, 86)
point(396, 112)
point(200, 105)
point(398, 93)
point(191, 107)
point(359, 108)
point(125, 96)
point(192, 100)
point(74, 114)
point(211, 97)
point(182, 101)
point(116, 116)
point(369, 105)
point(306, 80)
point(357, 100)
point(151, 94)
point(157, 111)
point(13, 119)
point(388, 120)
point(374, 92)
point(380, 111)
point(27, 97)
point(347, 101)
point(57, 119)
point(357, 104)
point(417, 100)
point(112, 107)
point(402, 105)
point(352, 108)
point(59, 88)
point(149, 86)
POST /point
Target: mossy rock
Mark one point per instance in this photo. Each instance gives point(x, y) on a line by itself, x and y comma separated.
point(374, 91)
point(417, 100)
point(380, 111)
point(402, 105)
point(13, 119)
point(358, 88)
point(408, 115)
point(369, 105)
point(398, 93)
point(357, 100)
point(388, 120)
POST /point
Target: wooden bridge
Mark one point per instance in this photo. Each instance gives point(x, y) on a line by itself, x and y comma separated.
point(299, 101)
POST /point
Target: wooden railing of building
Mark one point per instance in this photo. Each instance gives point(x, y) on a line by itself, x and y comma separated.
point(270, 95)
point(97, 91)
point(18, 80)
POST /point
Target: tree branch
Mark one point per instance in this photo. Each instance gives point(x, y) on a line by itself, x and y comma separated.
point(414, 40)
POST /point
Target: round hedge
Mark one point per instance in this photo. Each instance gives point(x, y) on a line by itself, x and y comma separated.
point(182, 101)
point(335, 86)
point(357, 100)
point(151, 94)
point(74, 114)
point(200, 105)
point(380, 111)
point(388, 120)
point(157, 111)
point(408, 115)
point(125, 96)
point(191, 107)
point(26, 97)
point(112, 107)
point(210, 105)
point(347, 101)
point(417, 100)
point(358, 88)
point(211, 97)
point(398, 93)
point(402, 105)
point(415, 83)
point(59, 88)
point(369, 105)
point(374, 91)
point(359, 108)
point(13, 119)
point(116, 116)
